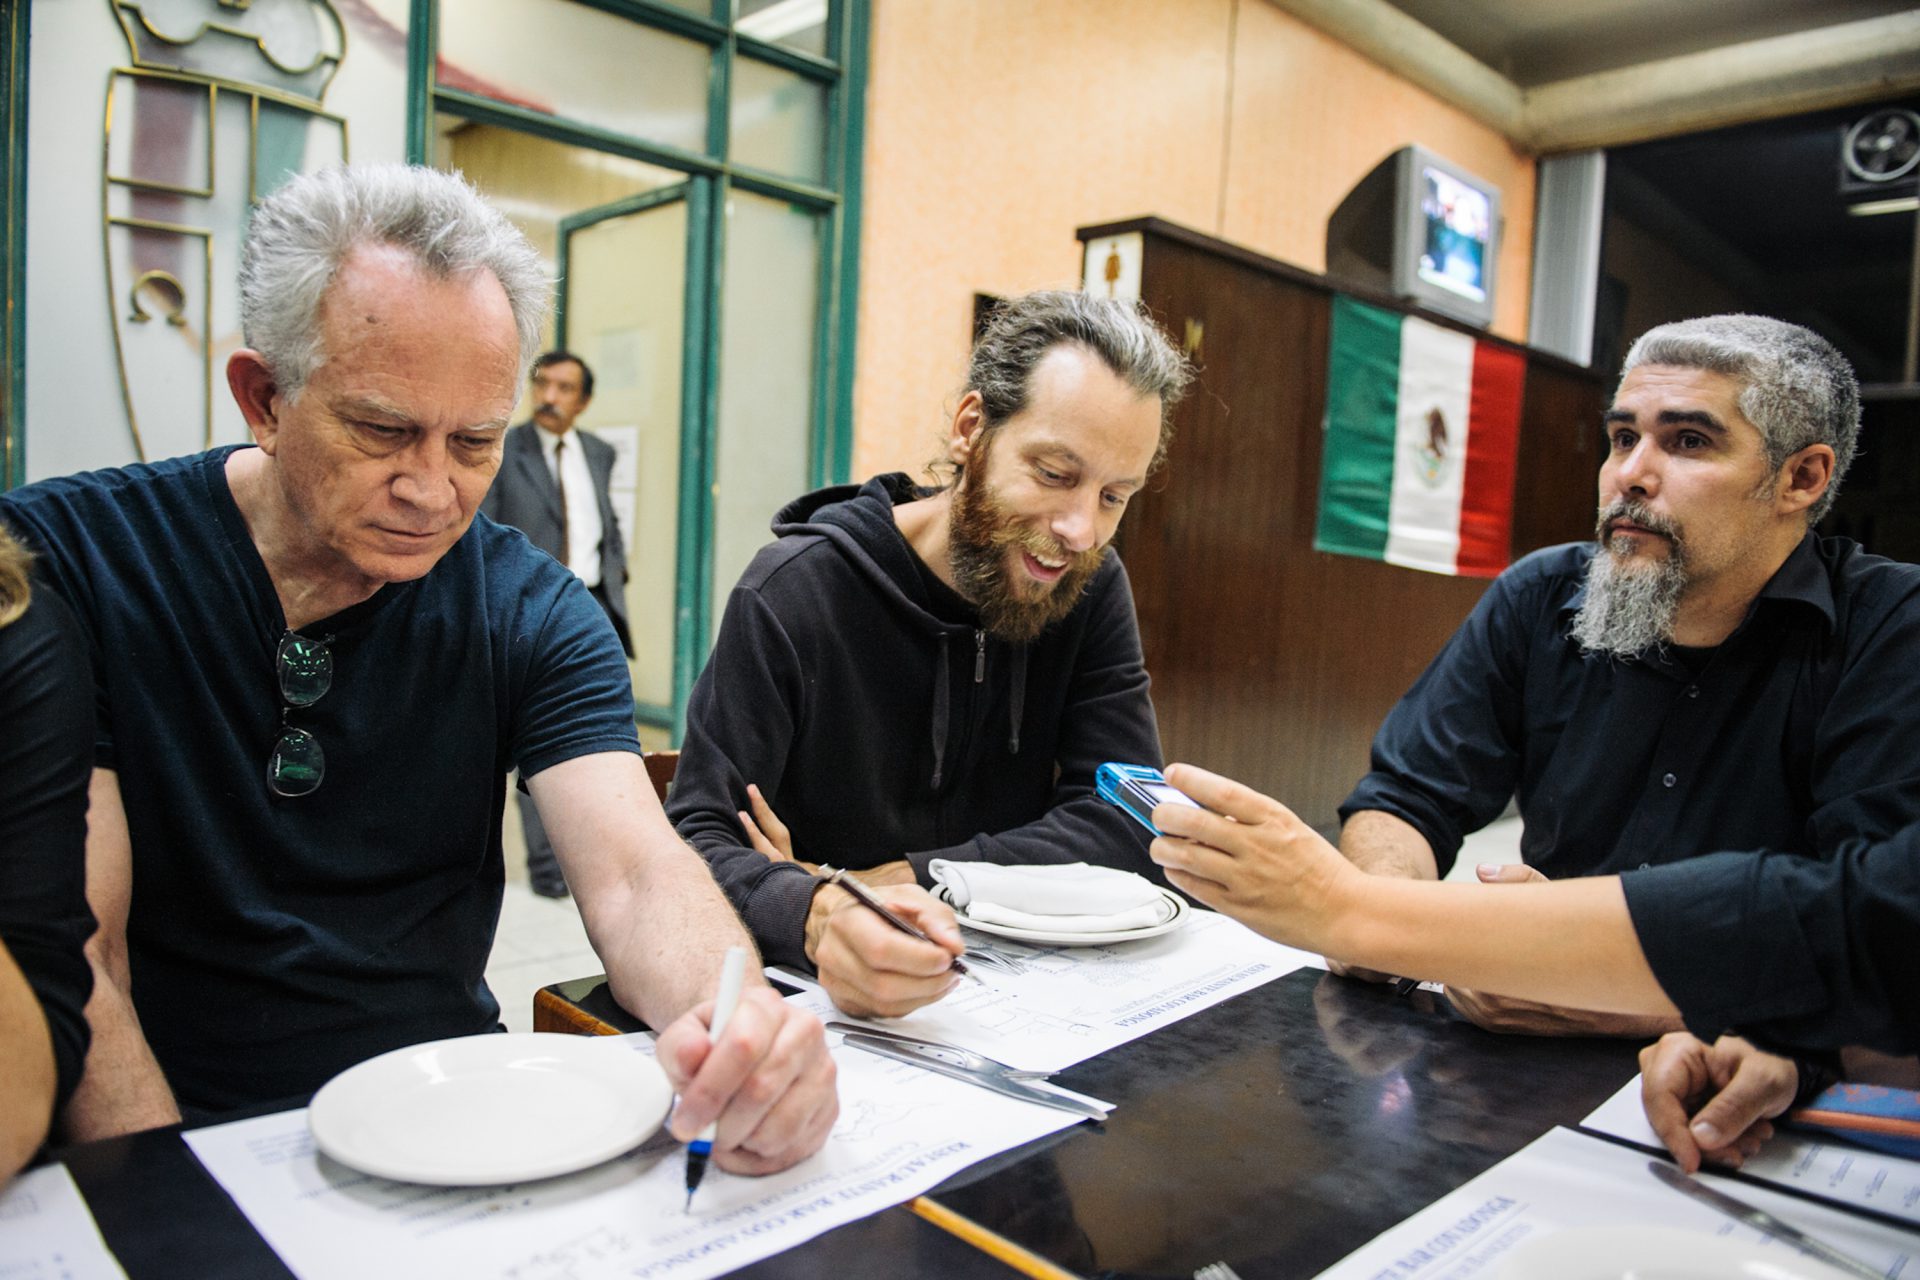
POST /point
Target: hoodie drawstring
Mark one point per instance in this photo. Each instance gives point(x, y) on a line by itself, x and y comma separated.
point(1018, 698)
point(942, 700)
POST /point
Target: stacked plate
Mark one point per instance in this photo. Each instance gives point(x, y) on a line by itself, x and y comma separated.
point(1173, 910)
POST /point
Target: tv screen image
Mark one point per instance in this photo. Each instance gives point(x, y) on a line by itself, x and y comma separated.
point(1459, 227)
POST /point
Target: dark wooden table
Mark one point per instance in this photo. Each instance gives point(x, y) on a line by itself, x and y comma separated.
point(1276, 1132)
point(1282, 1130)
point(165, 1218)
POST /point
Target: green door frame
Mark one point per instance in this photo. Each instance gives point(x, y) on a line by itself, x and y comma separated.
point(573, 222)
point(692, 556)
point(14, 28)
point(840, 263)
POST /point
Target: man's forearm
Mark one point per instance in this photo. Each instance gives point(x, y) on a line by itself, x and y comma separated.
point(1570, 943)
point(653, 913)
point(123, 1089)
point(1384, 845)
point(27, 1074)
point(664, 939)
point(1512, 1016)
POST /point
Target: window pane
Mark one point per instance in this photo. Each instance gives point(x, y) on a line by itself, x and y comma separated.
point(768, 311)
point(536, 182)
point(798, 24)
point(779, 121)
point(565, 59)
point(624, 297)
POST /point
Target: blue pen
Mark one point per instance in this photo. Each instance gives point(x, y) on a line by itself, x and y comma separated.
point(733, 972)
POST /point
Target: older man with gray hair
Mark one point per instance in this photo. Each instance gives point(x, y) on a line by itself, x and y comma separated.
point(314, 666)
point(1707, 675)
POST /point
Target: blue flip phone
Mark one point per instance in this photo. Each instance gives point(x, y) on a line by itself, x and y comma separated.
point(1136, 788)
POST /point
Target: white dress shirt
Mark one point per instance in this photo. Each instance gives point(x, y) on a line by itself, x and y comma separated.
point(583, 504)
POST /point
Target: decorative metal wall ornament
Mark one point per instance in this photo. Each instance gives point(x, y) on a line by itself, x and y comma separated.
point(220, 106)
point(176, 305)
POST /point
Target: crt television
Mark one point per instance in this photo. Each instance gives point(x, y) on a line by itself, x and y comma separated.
point(1423, 229)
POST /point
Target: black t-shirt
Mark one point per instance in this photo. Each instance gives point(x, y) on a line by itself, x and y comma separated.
point(273, 942)
point(46, 757)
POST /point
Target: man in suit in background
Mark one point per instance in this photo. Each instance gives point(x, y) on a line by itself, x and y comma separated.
point(553, 486)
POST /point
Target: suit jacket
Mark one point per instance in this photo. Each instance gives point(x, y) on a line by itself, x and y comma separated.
point(524, 496)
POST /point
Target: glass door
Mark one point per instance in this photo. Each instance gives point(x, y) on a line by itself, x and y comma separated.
point(691, 170)
point(623, 307)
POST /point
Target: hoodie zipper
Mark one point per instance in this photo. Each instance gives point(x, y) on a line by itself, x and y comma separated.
point(979, 656)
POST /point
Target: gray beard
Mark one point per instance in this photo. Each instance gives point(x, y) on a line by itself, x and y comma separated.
point(1628, 612)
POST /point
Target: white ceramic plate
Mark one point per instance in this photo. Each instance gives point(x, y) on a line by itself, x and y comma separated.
point(480, 1110)
point(1048, 938)
point(1657, 1253)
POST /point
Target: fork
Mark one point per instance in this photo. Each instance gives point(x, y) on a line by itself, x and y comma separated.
point(994, 958)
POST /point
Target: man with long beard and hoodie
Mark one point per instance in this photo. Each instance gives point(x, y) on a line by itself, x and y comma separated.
point(1707, 675)
point(909, 674)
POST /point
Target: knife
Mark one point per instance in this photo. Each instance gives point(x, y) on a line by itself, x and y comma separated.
point(1762, 1221)
point(968, 1058)
point(932, 1058)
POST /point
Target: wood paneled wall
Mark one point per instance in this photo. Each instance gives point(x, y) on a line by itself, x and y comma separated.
point(1272, 662)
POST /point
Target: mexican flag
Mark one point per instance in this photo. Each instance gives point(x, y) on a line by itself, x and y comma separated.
point(1422, 430)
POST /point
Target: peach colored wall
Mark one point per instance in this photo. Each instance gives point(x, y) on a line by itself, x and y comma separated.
point(996, 127)
point(1311, 117)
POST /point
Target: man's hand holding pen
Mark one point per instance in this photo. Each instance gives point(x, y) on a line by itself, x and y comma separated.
point(870, 967)
point(766, 1083)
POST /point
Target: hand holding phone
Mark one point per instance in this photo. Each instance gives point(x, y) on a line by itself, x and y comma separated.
point(1137, 788)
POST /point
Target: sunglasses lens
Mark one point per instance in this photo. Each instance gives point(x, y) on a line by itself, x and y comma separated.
point(306, 670)
point(297, 764)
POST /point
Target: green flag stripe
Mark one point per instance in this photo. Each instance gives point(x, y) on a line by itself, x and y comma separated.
point(1356, 469)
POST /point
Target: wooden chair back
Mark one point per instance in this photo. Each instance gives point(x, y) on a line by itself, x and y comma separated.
point(660, 770)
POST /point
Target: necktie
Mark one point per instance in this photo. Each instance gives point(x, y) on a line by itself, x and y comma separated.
point(560, 484)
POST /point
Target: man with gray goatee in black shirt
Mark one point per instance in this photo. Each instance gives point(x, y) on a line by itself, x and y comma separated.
point(1707, 675)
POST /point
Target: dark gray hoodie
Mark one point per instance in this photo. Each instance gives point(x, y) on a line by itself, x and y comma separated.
point(880, 723)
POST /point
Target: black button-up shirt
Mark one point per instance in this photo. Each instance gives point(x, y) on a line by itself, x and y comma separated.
point(1799, 732)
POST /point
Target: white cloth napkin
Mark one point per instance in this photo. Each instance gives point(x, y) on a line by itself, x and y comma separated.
point(1070, 898)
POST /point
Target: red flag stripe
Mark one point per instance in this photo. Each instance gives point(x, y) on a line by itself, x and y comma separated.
point(1493, 440)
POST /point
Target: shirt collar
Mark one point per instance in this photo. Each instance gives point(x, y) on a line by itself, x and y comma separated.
point(1579, 597)
point(549, 441)
point(1804, 578)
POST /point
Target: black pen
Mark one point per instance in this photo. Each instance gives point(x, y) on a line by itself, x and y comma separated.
point(865, 897)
